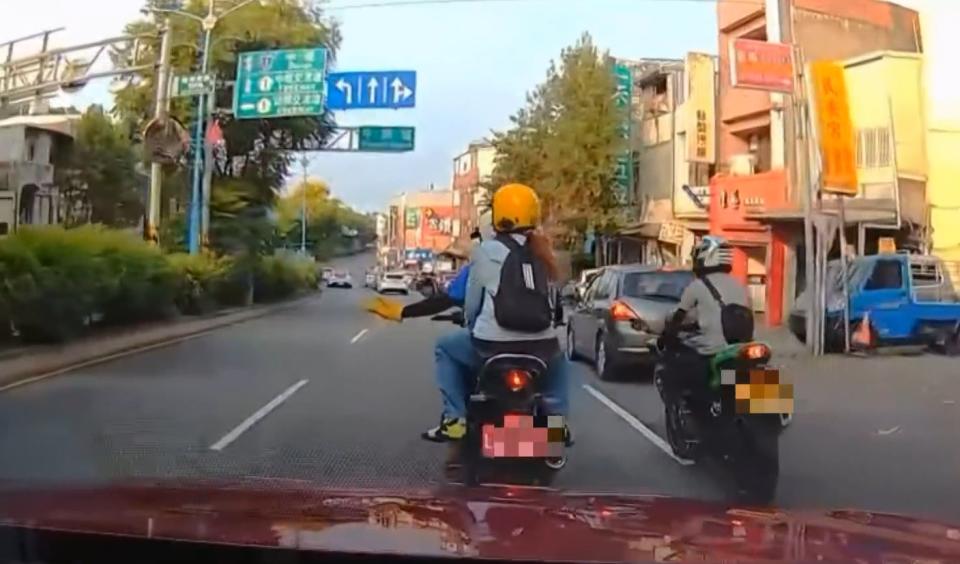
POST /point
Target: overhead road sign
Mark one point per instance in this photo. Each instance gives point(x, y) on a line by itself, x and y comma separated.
point(386, 139)
point(366, 90)
point(282, 83)
point(193, 85)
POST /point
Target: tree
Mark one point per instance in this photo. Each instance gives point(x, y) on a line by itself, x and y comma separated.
point(328, 219)
point(98, 174)
point(566, 140)
point(257, 157)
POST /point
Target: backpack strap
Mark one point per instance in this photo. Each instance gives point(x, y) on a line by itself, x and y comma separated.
point(713, 290)
point(508, 241)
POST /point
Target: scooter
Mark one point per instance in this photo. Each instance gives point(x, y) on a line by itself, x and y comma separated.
point(508, 432)
point(722, 422)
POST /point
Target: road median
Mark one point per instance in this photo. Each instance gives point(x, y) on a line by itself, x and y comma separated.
point(24, 365)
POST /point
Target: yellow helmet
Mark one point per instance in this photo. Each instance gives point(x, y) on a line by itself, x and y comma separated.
point(515, 207)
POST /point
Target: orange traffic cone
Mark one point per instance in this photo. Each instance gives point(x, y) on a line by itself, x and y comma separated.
point(862, 337)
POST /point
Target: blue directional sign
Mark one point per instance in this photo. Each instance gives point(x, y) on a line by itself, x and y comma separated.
point(282, 83)
point(369, 90)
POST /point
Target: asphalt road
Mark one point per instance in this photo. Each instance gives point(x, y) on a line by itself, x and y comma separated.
point(329, 394)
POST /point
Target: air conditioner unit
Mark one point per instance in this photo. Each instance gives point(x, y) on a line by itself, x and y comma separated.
point(742, 165)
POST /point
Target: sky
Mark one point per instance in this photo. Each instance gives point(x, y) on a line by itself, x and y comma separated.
point(475, 61)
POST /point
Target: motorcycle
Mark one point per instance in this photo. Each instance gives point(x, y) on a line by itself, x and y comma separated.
point(721, 422)
point(508, 432)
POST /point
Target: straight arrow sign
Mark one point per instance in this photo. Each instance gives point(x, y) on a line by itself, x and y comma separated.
point(371, 90)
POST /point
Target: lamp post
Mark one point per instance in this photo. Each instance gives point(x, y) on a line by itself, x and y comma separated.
point(303, 206)
point(207, 23)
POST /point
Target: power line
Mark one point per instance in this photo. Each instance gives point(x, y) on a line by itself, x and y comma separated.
point(406, 3)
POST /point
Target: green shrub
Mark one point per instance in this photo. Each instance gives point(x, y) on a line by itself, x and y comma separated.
point(281, 276)
point(199, 281)
point(55, 282)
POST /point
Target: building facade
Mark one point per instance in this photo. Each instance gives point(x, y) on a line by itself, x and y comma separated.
point(755, 200)
point(419, 226)
point(29, 146)
point(471, 171)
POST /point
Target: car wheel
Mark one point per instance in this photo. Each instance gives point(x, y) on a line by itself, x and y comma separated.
point(606, 369)
point(571, 348)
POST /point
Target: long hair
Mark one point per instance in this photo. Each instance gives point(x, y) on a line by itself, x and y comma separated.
point(542, 248)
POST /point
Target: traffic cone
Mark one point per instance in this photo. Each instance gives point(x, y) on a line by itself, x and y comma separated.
point(862, 337)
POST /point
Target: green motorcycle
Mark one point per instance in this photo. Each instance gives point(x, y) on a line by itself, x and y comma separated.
point(736, 418)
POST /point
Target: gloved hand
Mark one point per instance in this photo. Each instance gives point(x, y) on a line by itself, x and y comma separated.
point(385, 308)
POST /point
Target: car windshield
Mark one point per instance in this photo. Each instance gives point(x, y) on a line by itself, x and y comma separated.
point(667, 285)
point(187, 188)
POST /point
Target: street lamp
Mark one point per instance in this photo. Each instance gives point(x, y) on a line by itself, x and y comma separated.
point(207, 23)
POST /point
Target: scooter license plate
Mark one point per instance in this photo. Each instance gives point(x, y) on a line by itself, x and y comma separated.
point(760, 391)
point(524, 436)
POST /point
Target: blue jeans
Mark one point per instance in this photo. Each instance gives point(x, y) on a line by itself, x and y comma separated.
point(457, 366)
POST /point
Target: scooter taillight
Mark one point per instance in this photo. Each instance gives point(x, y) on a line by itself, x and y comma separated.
point(516, 379)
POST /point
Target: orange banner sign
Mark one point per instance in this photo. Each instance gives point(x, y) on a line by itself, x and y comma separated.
point(834, 128)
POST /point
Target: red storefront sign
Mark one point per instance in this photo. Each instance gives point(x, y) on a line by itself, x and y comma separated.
point(761, 65)
point(732, 198)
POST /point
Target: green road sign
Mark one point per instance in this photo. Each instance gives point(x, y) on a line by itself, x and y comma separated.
point(624, 172)
point(284, 83)
point(377, 138)
point(193, 84)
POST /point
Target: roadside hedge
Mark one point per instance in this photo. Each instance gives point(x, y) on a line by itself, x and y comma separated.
point(57, 283)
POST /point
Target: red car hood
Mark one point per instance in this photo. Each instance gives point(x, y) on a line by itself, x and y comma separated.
point(509, 523)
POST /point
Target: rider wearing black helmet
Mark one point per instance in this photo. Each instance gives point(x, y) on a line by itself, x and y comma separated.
point(719, 306)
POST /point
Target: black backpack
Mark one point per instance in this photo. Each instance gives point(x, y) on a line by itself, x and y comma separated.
point(736, 320)
point(522, 302)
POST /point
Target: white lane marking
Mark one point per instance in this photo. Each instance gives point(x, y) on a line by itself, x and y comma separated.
point(257, 416)
point(358, 336)
point(636, 424)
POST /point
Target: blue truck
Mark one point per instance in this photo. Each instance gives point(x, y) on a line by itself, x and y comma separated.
point(908, 300)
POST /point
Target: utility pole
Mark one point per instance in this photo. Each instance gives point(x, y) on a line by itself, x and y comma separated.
point(205, 192)
point(193, 236)
point(303, 206)
point(161, 111)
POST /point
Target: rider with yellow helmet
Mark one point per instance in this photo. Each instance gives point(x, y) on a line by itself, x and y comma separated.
point(516, 214)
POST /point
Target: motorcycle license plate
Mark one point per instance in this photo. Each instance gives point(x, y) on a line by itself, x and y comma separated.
point(524, 436)
point(759, 391)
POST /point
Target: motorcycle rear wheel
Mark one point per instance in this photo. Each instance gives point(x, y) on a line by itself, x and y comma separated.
point(756, 468)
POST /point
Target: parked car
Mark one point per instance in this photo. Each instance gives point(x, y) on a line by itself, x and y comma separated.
point(393, 282)
point(621, 313)
point(326, 273)
point(340, 279)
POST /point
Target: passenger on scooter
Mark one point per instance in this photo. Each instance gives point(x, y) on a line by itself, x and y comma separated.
point(718, 303)
point(460, 355)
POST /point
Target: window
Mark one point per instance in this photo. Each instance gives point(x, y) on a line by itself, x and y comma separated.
point(666, 285)
point(603, 286)
point(31, 151)
point(887, 275)
point(456, 198)
point(873, 147)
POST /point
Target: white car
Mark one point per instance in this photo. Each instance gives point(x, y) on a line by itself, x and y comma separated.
point(392, 282)
point(340, 279)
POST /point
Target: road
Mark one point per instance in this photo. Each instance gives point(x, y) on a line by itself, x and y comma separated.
point(327, 393)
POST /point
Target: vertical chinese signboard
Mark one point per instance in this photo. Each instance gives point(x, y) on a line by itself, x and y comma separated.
point(624, 171)
point(701, 121)
point(412, 219)
point(834, 128)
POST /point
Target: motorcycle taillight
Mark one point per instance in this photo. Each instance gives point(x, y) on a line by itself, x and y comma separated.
point(516, 379)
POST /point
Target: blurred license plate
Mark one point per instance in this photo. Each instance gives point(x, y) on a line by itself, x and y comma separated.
point(760, 391)
point(524, 436)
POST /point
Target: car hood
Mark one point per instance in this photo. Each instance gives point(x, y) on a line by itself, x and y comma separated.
point(504, 522)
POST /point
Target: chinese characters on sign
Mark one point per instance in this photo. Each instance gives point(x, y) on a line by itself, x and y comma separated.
point(412, 219)
point(701, 146)
point(623, 175)
point(280, 83)
point(761, 65)
point(834, 128)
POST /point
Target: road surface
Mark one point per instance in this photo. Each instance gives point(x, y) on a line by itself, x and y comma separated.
point(327, 393)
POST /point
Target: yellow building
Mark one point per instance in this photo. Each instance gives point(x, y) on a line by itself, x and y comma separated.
point(939, 23)
point(885, 89)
